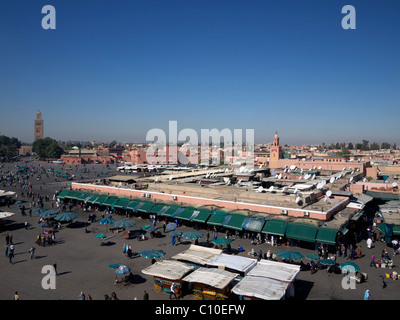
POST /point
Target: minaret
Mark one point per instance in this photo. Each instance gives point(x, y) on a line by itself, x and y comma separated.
point(38, 126)
point(275, 153)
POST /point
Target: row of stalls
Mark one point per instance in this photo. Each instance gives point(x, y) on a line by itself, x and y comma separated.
point(287, 230)
point(209, 274)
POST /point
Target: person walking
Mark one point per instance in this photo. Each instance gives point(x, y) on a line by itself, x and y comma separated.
point(145, 295)
point(367, 295)
point(32, 252)
point(172, 289)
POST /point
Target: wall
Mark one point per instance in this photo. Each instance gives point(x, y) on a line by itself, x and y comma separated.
point(200, 201)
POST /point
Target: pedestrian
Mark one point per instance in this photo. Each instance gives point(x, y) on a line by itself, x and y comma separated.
point(32, 252)
point(10, 256)
point(7, 238)
point(367, 295)
point(81, 296)
point(164, 227)
point(173, 241)
point(16, 295)
point(145, 295)
point(26, 225)
point(172, 289)
point(114, 296)
point(369, 243)
point(359, 252)
point(372, 263)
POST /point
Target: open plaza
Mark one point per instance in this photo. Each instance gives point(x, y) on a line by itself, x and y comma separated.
point(87, 263)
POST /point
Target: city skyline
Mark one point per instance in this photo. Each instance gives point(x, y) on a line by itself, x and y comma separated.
point(115, 71)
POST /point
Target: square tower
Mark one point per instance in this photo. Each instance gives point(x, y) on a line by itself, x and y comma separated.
point(38, 134)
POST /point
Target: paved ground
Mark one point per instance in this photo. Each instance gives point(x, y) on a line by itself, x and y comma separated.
point(82, 263)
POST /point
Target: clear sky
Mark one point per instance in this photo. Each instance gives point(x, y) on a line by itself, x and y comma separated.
point(112, 70)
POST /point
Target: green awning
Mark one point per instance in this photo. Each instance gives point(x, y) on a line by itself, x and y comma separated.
point(132, 205)
point(93, 198)
point(84, 196)
point(99, 201)
point(201, 215)
point(234, 221)
point(186, 213)
point(172, 211)
point(110, 201)
point(253, 224)
point(73, 194)
point(326, 236)
point(217, 218)
point(157, 208)
point(62, 194)
point(301, 231)
point(275, 226)
point(146, 206)
point(121, 203)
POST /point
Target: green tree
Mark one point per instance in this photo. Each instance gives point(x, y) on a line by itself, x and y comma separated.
point(374, 146)
point(9, 146)
point(47, 148)
point(350, 146)
point(385, 145)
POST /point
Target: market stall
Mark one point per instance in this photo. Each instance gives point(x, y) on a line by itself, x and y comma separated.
point(210, 283)
point(268, 280)
point(167, 272)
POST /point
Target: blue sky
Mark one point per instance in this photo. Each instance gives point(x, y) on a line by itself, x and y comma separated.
point(116, 69)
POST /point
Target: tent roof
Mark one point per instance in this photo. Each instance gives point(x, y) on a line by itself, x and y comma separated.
point(198, 254)
point(216, 278)
point(168, 269)
point(237, 263)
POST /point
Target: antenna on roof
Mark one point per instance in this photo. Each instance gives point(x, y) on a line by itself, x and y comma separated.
point(332, 179)
point(328, 193)
point(351, 179)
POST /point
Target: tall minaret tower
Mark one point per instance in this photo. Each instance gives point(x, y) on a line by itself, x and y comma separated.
point(275, 153)
point(38, 126)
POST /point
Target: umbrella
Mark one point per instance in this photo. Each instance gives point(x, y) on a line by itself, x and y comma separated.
point(192, 234)
point(175, 233)
point(39, 210)
point(48, 213)
point(171, 226)
point(290, 255)
point(312, 256)
point(115, 265)
point(123, 269)
point(349, 266)
point(100, 236)
point(43, 224)
point(327, 261)
point(106, 221)
point(222, 241)
point(146, 226)
point(124, 223)
point(151, 229)
point(151, 253)
point(66, 216)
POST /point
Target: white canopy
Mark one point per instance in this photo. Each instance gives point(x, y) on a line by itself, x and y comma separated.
point(168, 269)
point(6, 214)
point(262, 288)
point(237, 263)
point(216, 278)
point(198, 254)
point(4, 193)
point(268, 280)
